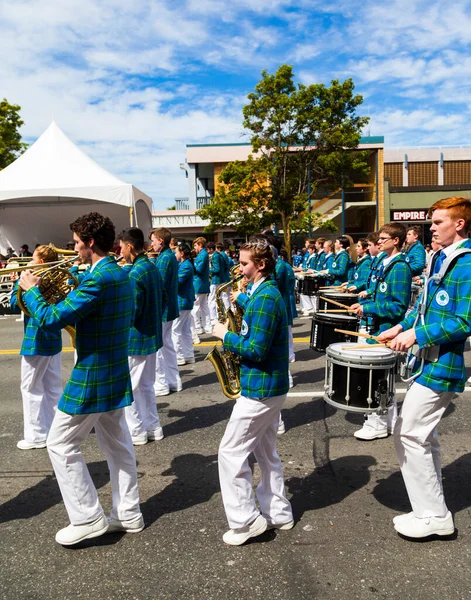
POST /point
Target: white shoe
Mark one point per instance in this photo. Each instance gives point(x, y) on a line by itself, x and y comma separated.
point(404, 517)
point(162, 391)
point(208, 330)
point(139, 440)
point(190, 361)
point(199, 331)
point(292, 359)
point(24, 445)
point(237, 537)
point(290, 379)
point(176, 389)
point(155, 435)
point(282, 527)
point(73, 534)
point(196, 340)
point(281, 428)
point(181, 362)
point(369, 433)
point(131, 526)
point(414, 527)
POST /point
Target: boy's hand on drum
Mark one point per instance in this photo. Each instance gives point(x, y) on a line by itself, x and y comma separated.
point(356, 308)
point(363, 294)
point(352, 288)
point(404, 341)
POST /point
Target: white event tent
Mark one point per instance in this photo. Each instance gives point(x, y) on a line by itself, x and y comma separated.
point(52, 184)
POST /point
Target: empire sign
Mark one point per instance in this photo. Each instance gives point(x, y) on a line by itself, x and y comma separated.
point(409, 215)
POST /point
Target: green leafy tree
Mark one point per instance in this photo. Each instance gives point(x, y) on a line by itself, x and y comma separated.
point(303, 139)
point(11, 145)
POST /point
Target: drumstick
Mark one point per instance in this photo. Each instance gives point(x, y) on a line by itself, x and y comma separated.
point(333, 310)
point(357, 334)
point(363, 346)
point(336, 303)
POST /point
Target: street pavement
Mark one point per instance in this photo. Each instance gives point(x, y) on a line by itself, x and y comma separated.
point(344, 494)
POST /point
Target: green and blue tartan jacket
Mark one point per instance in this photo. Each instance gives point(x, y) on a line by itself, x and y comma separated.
point(201, 278)
point(416, 256)
point(361, 272)
point(36, 341)
point(391, 296)
point(447, 324)
point(320, 256)
point(101, 309)
point(306, 257)
point(328, 260)
point(372, 275)
point(145, 335)
point(167, 266)
point(217, 268)
point(283, 281)
point(186, 290)
point(262, 344)
point(310, 262)
point(339, 267)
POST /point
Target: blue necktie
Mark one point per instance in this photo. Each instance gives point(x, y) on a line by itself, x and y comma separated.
point(438, 262)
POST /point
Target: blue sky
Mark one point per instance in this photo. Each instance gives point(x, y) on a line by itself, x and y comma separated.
point(133, 85)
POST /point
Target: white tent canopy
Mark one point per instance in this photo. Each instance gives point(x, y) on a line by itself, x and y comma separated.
point(52, 184)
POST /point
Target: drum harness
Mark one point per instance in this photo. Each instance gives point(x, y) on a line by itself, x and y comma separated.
point(430, 354)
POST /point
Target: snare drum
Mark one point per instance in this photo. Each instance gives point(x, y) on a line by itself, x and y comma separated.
point(361, 380)
point(342, 297)
point(323, 326)
point(312, 283)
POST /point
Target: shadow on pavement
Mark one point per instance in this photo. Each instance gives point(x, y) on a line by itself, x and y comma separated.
point(196, 482)
point(45, 494)
point(391, 492)
point(198, 418)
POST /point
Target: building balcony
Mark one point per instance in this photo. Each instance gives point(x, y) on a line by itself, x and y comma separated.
point(203, 201)
point(182, 203)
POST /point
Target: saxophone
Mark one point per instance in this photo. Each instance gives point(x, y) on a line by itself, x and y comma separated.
point(226, 363)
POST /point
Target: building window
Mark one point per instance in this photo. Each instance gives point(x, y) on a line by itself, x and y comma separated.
point(423, 173)
point(393, 172)
point(457, 172)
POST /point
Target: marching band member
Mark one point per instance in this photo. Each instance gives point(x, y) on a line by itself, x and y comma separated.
point(181, 330)
point(362, 267)
point(263, 348)
point(99, 387)
point(41, 378)
point(305, 301)
point(414, 252)
point(387, 307)
point(440, 334)
point(320, 254)
point(226, 277)
point(328, 256)
point(341, 263)
point(167, 377)
point(145, 338)
point(366, 289)
point(200, 312)
point(216, 272)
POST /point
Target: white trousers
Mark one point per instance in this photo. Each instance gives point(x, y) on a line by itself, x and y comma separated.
point(181, 334)
point(142, 415)
point(200, 313)
point(307, 302)
point(77, 488)
point(213, 310)
point(418, 450)
point(226, 299)
point(166, 372)
point(291, 343)
point(252, 428)
point(41, 389)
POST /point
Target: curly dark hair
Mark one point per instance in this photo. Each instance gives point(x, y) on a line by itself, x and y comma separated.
point(96, 227)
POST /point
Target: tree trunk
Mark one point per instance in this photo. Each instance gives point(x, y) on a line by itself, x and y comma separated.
point(286, 224)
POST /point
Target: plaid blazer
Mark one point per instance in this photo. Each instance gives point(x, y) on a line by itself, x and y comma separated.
point(186, 290)
point(262, 344)
point(361, 272)
point(447, 325)
point(167, 266)
point(391, 295)
point(201, 279)
point(217, 268)
point(228, 263)
point(101, 308)
point(339, 267)
point(328, 260)
point(311, 261)
point(416, 256)
point(283, 280)
point(372, 275)
point(36, 341)
point(145, 335)
point(320, 256)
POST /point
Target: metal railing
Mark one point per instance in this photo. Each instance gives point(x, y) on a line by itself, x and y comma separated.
point(203, 201)
point(182, 203)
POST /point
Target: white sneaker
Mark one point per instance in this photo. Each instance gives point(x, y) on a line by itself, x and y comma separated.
point(190, 361)
point(414, 527)
point(73, 534)
point(139, 440)
point(196, 340)
point(237, 537)
point(404, 517)
point(24, 445)
point(162, 391)
point(281, 428)
point(181, 362)
point(176, 389)
point(199, 331)
point(290, 379)
point(131, 526)
point(208, 330)
point(369, 433)
point(155, 435)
